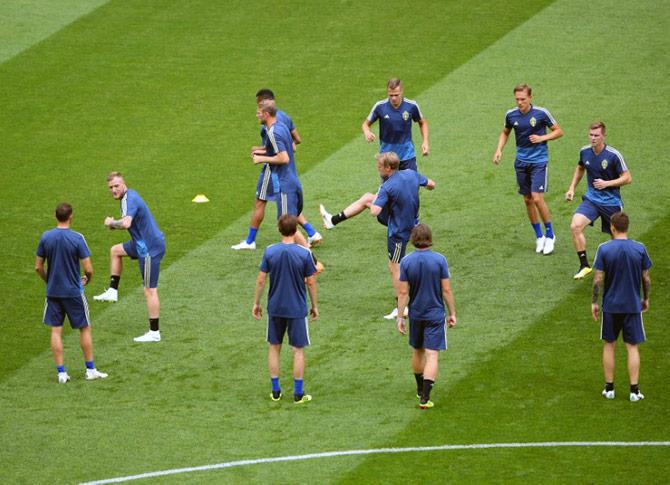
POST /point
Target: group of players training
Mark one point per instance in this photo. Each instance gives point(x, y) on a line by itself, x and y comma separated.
point(420, 279)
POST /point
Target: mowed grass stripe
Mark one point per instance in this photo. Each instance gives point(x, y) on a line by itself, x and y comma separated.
point(163, 91)
point(28, 22)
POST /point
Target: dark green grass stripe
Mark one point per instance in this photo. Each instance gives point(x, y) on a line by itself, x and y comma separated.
point(163, 91)
point(545, 386)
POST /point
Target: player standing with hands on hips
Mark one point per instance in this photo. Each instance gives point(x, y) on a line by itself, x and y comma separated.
point(530, 125)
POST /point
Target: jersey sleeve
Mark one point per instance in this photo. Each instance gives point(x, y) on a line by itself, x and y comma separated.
point(265, 267)
point(129, 207)
point(580, 162)
point(444, 269)
point(310, 267)
point(646, 261)
point(289, 123)
point(621, 166)
point(416, 113)
point(548, 119)
point(283, 141)
point(41, 248)
point(82, 248)
point(508, 122)
point(382, 197)
point(403, 269)
point(423, 181)
point(598, 262)
point(374, 114)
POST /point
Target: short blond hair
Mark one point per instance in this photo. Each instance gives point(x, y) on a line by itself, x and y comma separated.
point(388, 159)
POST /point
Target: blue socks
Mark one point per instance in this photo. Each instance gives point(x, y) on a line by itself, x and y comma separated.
point(538, 229)
point(275, 384)
point(310, 230)
point(251, 237)
point(549, 231)
point(60, 368)
point(89, 365)
point(297, 387)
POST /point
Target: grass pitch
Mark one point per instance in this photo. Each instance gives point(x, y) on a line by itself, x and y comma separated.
point(164, 92)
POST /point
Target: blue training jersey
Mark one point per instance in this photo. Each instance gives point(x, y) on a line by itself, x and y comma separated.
point(279, 140)
point(424, 270)
point(535, 122)
point(288, 265)
point(143, 230)
point(607, 165)
point(399, 197)
point(623, 262)
point(395, 126)
point(62, 249)
point(282, 118)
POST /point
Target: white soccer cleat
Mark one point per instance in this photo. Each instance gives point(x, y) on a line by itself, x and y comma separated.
point(244, 245)
point(93, 374)
point(150, 336)
point(636, 396)
point(548, 245)
point(110, 294)
point(326, 217)
point(315, 239)
point(539, 244)
point(394, 314)
point(63, 377)
point(609, 394)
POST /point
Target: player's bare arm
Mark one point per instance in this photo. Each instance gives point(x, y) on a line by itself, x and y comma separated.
point(88, 271)
point(555, 132)
point(39, 268)
point(576, 177)
point(257, 311)
point(123, 223)
point(311, 289)
point(502, 141)
point(620, 181)
point(448, 297)
point(280, 158)
point(423, 127)
point(646, 289)
point(403, 299)
point(367, 133)
point(597, 286)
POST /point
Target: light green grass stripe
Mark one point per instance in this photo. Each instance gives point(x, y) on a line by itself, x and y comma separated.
point(27, 22)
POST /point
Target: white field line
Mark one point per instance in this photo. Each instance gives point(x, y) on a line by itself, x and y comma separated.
point(374, 451)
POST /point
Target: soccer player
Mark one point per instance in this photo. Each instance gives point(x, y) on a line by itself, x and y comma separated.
point(268, 183)
point(623, 265)
point(290, 267)
point(396, 205)
point(63, 250)
point(606, 171)
point(530, 125)
point(147, 245)
point(424, 282)
point(395, 115)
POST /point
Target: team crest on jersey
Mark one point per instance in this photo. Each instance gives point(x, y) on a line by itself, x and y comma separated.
point(405, 115)
point(533, 122)
point(603, 164)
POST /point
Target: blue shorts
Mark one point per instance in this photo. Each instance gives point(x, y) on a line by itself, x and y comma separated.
point(150, 266)
point(592, 211)
point(298, 331)
point(531, 177)
point(428, 335)
point(409, 164)
point(396, 248)
point(631, 323)
point(76, 309)
point(267, 186)
point(289, 203)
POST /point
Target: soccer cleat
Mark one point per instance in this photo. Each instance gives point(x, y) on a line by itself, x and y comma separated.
point(548, 245)
point(301, 399)
point(583, 272)
point(326, 217)
point(426, 405)
point(110, 294)
point(394, 314)
point(150, 336)
point(92, 374)
point(636, 396)
point(63, 377)
point(315, 239)
point(539, 244)
point(609, 394)
point(275, 396)
point(244, 245)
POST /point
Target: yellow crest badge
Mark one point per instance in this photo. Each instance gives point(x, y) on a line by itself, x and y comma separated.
point(603, 164)
point(533, 122)
point(405, 115)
